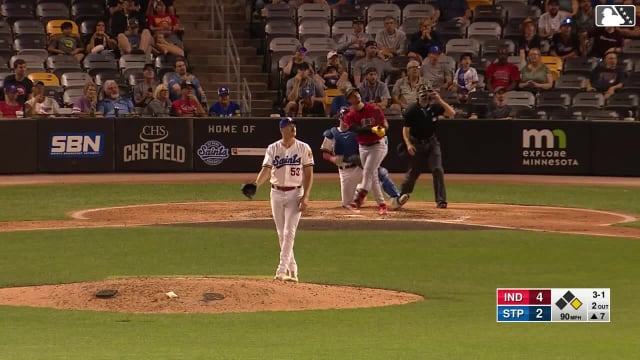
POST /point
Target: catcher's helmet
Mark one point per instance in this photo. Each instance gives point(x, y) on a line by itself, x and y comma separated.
point(343, 111)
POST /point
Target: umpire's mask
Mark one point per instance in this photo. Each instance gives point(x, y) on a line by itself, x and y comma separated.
point(424, 93)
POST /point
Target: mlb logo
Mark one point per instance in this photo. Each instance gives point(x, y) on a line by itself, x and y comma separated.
point(615, 15)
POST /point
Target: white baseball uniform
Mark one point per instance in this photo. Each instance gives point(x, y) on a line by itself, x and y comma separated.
point(287, 173)
point(350, 175)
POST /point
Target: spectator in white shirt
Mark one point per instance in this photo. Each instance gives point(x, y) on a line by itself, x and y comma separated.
point(549, 22)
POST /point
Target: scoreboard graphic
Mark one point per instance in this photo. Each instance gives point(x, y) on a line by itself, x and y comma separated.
point(553, 305)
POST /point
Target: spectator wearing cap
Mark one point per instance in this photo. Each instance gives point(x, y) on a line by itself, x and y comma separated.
point(87, 103)
point(20, 80)
point(606, 78)
point(535, 76)
point(122, 17)
point(340, 101)
point(302, 80)
point(188, 105)
point(163, 22)
point(604, 40)
point(296, 61)
point(502, 73)
point(10, 105)
point(439, 74)
point(565, 44)
point(160, 106)
point(371, 59)
point(549, 22)
point(452, 10)
point(40, 104)
point(354, 43)
point(529, 39)
point(180, 75)
point(224, 106)
point(307, 106)
point(67, 43)
point(405, 90)
point(333, 73)
point(114, 105)
point(422, 40)
point(373, 90)
point(134, 40)
point(101, 42)
point(499, 109)
point(391, 41)
point(143, 90)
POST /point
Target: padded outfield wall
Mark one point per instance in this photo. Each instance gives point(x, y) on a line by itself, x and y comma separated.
point(62, 145)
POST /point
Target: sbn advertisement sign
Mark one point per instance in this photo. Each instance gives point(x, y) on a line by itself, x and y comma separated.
point(75, 145)
point(556, 148)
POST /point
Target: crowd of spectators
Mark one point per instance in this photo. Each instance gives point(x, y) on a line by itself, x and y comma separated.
point(143, 28)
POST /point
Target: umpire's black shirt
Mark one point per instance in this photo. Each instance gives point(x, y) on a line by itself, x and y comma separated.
point(422, 121)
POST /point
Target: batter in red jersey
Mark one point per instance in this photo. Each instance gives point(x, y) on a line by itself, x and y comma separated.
point(369, 124)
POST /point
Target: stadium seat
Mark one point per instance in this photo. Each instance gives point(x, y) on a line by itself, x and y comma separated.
point(314, 11)
point(570, 82)
point(380, 11)
point(529, 114)
point(89, 10)
point(417, 11)
point(330, 94)
point(599, 115)
point(78, 79)
point(319, 46)
point(135, 77)
point(512, 30)
point(132, 61)
point(551, 99)
point(28, 27)
point(277, 29)
point(374, 26)
point(41, 53)
point(579, 65)
point(313, 28)
point(164, 64)
point(53, 28)
point(70, 95)
point(339, 28)
point(103, 75)
point(48, 79)
point(489, 47)
point(33, 62)
point(517, 11)
point(587, 100)
point(55, 92)
point(475, 3)
point(30, 41)
point(448, 61)
point(456, 47)
point(87, 28)
point(554, 64)
point(279, 11)
point(278, 48)
point(410, 26)
point(632, 82)
point(490, 13)
point(348, 12)
point(562, 114)
point(17, 11)
point(94, 63)
point(450, 30)
point(368, 3)
point(625, 104)
point(520, 99)
point(484, 31)
point(481, 63)
point(51, 11)
point(631, 47)
point(5, 28)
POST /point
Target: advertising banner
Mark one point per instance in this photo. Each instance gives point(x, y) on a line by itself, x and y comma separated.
point(551, 147)
point(75, 145)
point(154, 144)
point(18, 146)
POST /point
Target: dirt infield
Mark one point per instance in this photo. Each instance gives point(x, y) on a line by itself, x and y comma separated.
point(147, 295)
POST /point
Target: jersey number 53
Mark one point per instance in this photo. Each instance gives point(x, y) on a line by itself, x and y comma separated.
point(294, 171)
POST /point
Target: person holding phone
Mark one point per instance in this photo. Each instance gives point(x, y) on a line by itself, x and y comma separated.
point(143, 91)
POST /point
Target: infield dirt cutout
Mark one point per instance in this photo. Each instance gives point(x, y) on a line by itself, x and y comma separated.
point(147, 295)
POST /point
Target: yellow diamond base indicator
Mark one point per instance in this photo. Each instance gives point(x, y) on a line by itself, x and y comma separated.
point(576, 303)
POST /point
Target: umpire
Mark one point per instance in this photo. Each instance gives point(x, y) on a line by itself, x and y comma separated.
point(420, 142)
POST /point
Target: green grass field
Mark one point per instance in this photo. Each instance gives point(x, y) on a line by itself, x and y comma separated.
point(457, 272)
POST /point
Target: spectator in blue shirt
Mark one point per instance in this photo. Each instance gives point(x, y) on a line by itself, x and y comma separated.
point(225, 107)
point(114, 105)
point(175, 80)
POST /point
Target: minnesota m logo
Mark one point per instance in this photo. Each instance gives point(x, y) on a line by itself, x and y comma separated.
point(549, 137)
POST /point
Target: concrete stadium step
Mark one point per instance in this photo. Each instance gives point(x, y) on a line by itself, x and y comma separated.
point(219, 81)
point(217, 59)
point(213, 45)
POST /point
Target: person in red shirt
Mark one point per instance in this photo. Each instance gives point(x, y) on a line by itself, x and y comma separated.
point(165, 23)
point(10, 105)
point(369, 124)
point(188, 105)
point(502, 73)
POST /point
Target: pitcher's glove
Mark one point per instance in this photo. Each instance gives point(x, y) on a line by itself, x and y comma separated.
point(379, 131)
point(249, 190)
point(354, 159)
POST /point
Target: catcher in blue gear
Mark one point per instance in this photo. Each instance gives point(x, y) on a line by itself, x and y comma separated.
point(341, 148)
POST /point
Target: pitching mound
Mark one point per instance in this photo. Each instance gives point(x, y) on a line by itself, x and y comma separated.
point(232, 295)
